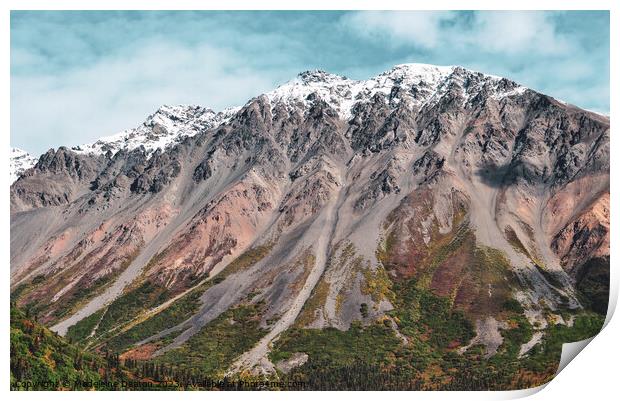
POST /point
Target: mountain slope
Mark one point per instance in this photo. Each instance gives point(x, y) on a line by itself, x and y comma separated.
point(324, 204)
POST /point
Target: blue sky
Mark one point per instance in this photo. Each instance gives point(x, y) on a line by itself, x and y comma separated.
point(76, 76)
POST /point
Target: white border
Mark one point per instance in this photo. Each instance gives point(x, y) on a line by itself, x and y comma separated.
point(594, 373)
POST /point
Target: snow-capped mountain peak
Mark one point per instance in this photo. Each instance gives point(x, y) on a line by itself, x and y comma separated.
point(20, 161)
point(419, 83)
point(315, 76)
point(167, 126)
point(415, 73)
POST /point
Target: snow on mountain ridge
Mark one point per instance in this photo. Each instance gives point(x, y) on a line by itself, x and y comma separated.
point(162, 129)
point(421, 83)
point(20, 161)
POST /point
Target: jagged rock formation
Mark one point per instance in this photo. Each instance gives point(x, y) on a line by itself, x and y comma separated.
point(311, 202)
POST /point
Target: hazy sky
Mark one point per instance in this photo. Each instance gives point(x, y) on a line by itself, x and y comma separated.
point(76, 76)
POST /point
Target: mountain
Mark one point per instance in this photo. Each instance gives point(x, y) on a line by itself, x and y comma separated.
point(421, 221)
point(20, 161)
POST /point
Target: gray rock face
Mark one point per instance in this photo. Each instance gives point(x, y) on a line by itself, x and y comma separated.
point(58, 177)
point(296, 360)
point(313, 174)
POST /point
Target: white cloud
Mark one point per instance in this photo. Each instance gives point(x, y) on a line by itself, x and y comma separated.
point(516, 32)
point(505, 32)
point(118, 93)
point(422, 28)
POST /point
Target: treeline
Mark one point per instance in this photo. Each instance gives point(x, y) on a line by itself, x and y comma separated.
point(177, 376)
point(462, 377)
point(43, 360)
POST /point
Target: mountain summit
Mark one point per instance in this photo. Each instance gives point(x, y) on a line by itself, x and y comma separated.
point(442, 217)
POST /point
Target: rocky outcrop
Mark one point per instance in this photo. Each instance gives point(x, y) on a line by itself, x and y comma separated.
point(58, 178)
point(584, 237)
